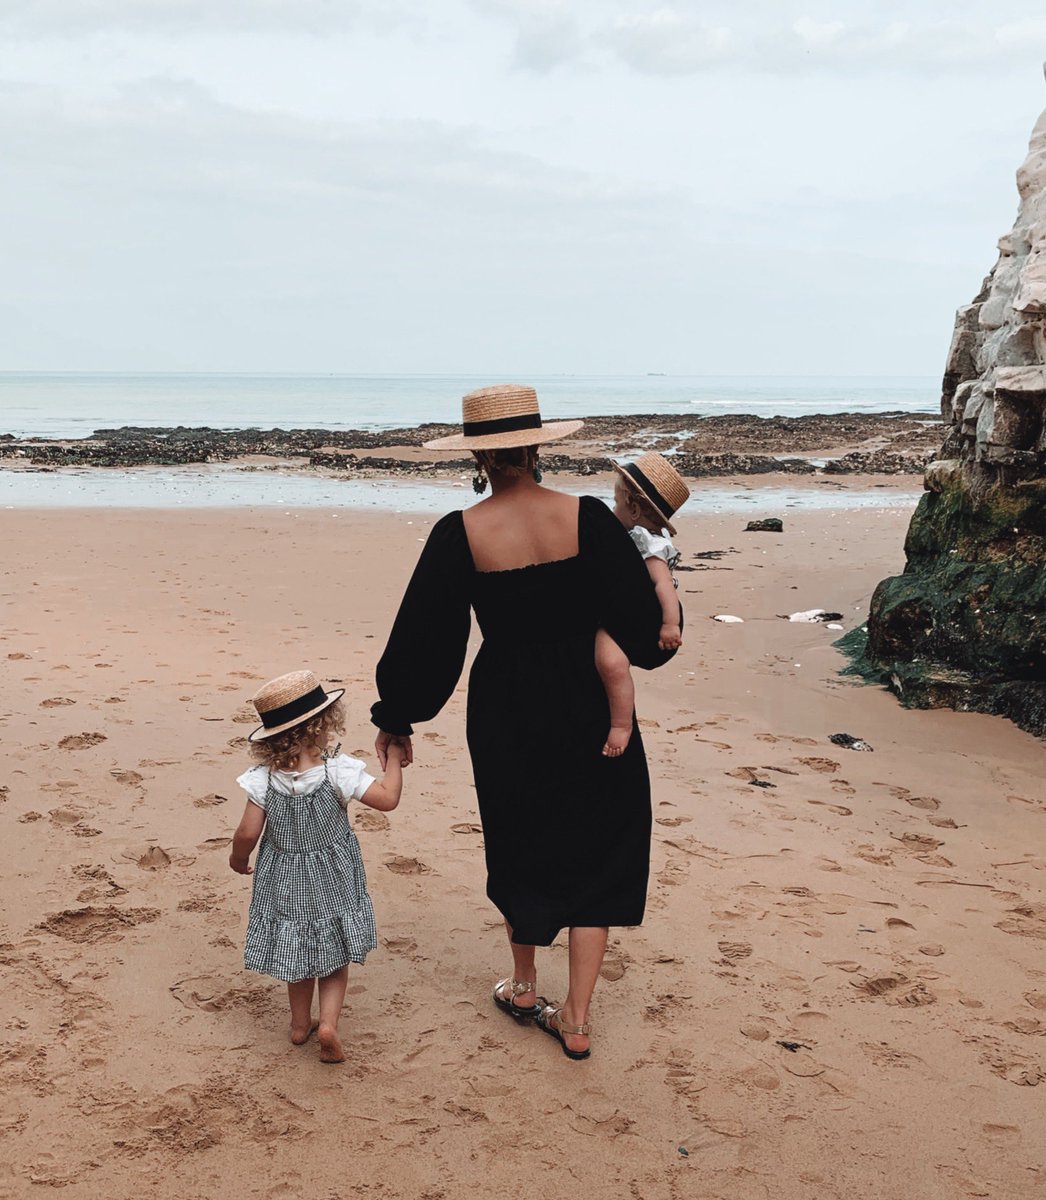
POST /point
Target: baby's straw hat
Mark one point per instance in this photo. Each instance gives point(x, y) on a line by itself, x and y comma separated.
point(502, 416)
point(288, 700)
point(658, 482)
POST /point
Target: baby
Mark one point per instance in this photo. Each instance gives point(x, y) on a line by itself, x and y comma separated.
point(646, 496)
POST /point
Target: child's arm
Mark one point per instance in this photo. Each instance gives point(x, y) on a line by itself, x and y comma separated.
point(384, 794)
point(671, 634)
point(246, 838)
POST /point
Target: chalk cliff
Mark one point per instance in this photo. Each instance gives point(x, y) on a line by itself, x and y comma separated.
point(965, 625)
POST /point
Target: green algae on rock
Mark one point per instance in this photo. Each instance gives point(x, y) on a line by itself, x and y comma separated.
point(965, 625)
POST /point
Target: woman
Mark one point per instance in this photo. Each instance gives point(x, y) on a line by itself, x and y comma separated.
point(566, 830)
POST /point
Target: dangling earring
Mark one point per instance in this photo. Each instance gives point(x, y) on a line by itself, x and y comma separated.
point(537, 469)
point(479, 482)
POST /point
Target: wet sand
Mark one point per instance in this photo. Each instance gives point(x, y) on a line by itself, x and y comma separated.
point(839, 988)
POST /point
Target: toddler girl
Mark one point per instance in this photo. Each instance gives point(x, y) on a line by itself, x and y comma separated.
point(310, 912)
point(646, 496)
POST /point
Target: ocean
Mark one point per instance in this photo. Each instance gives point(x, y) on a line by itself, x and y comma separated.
point(68, 405)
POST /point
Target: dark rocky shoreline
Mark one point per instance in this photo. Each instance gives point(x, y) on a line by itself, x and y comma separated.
point(739, 444)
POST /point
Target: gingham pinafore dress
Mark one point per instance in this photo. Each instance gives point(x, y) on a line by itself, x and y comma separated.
point(310, 912)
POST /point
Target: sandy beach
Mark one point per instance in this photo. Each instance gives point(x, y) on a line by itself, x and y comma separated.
point(839, 989)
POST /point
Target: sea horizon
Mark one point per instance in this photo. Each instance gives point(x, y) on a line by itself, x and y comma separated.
point(74, 404)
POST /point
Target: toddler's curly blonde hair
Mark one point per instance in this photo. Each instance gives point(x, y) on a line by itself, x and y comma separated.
point(282, 749)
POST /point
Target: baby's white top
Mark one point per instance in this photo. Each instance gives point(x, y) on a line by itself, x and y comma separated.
point(349, 776)
point(653, 545)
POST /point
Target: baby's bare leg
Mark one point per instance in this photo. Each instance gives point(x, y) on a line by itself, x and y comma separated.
point(613, 667)
point(300, 996)
point(332, 997)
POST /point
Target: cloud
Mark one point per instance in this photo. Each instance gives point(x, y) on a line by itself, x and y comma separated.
point(674, 40)
point(547, 32)
point(827, 36)
point(69, 18)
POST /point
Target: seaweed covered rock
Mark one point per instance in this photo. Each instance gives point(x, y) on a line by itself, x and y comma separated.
point(965, 625)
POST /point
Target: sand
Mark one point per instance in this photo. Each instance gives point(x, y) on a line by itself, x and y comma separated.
point(839, 989)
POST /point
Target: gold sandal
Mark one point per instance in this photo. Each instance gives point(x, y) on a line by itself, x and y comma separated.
point(518, 988)
point(562, 1025)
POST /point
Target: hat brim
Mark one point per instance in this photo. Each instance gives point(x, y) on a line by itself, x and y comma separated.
point(550, 431)
point(634, 485)
point(261, 733)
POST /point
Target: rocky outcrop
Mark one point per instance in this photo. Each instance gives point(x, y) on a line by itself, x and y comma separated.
point(965, 625)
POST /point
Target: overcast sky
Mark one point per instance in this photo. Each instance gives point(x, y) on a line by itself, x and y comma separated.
point(505, 186)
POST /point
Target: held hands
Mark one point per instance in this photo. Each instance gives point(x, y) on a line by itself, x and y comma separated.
point(671, 637)
point(386, 743)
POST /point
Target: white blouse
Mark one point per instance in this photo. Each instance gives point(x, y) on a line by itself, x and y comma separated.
point(349, 776)
point(654, 545)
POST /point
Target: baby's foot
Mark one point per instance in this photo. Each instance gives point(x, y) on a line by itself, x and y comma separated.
point(330, 1044)
point(617, 740)
point(300, 1034)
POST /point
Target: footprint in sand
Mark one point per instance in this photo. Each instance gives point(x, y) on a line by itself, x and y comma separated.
point(927, 803)
point(406, 866)
point(370, 821)
point(884, 1055)
point(212, 994)
point(734, 951)
point(825, 766)
point(919, 842)
point(95, 924)
point(19, 656)
point(400, 945)
point(131, 778)
point(56, 702)
point(1028, 920)
point(672, 822)
point(154, 859)
point(839, 809)
point(80, 741)
point(615, 964)
point(211, 800)
point(466, 827)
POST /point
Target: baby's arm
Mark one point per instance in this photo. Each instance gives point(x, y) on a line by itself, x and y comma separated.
point(671, 634)
point(246, 838)
point(384, 795)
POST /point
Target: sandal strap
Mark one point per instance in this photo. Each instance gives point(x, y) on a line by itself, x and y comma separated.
point(562, 1024)
point(517, 986)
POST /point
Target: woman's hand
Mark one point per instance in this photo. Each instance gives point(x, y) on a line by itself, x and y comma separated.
point(384, 741)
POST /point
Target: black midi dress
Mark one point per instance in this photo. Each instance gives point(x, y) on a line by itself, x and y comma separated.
point(566, 831)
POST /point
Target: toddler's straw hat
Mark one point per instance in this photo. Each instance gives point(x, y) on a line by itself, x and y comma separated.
point(288, 700)
point(658, 482)
point(502, 416)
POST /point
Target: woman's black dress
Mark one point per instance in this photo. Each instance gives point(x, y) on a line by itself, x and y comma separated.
point(567, 831)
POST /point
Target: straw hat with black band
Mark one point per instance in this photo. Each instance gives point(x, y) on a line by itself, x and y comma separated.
point(288, 700)
point(657, 482)
point(500, 417)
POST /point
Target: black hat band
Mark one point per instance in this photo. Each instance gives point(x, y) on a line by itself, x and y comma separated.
point(651, 492)
point(293, 709)
point(501, 425)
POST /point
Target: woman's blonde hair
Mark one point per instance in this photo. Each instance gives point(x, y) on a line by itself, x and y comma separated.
point(514, 460)
point(282, 749)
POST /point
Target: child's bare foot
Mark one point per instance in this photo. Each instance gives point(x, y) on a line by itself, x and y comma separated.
point(617, 740)
point(330, 1044)
point(300, 1034)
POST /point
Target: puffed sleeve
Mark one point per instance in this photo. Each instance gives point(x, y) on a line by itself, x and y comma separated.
point(626, 602)
point(349, 776)
point(426, 649)
point(255, 783)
